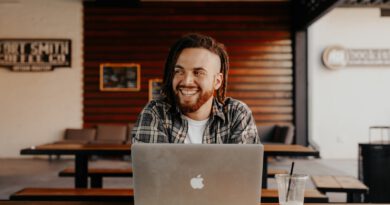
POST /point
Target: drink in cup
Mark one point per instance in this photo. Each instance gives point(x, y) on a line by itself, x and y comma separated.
point(291, 188)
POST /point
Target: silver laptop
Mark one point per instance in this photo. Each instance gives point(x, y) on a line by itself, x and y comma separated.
point(189, 174)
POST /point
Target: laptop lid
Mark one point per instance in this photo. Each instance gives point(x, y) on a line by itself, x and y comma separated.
point(207, 174)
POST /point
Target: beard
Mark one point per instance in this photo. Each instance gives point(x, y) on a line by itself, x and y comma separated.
point(202, 98)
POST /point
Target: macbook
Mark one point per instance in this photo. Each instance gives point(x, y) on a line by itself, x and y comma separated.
point(197, 174)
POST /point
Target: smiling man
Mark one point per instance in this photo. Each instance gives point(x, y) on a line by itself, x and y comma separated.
point(193, 107)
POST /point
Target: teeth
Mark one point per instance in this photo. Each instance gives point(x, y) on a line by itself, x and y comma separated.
point(188, 92)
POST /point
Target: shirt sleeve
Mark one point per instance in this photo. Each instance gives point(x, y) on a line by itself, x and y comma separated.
point(149, 128)
point(244, 130)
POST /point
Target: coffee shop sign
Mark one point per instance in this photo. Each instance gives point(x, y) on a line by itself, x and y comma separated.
point(335, 57)
point(35, 54)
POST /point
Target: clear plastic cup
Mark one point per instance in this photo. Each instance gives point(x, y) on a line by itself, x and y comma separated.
point(295, 194)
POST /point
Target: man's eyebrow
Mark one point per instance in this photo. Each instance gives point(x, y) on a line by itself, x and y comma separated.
point(200, 68)
point(194, 69)
point(179, 66)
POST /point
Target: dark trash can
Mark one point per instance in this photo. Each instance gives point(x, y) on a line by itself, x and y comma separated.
point(374, 170)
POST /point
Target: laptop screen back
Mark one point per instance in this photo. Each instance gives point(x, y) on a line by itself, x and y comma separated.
point(178, 174)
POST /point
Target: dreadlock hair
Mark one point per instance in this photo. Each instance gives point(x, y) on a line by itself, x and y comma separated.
point(194, 40)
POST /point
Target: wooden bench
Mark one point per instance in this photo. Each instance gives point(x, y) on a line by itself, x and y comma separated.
point(96, 174)
point(71, 194)
point(350, 185)
point(272, 172)
point(81, 194)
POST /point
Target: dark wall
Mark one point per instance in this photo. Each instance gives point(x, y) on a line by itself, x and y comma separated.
point(257, 36)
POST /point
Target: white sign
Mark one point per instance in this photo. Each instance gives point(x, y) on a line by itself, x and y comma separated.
point(35, 54)
point(335, 57)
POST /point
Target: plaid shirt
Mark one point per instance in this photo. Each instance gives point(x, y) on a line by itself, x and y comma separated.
point(159, 122)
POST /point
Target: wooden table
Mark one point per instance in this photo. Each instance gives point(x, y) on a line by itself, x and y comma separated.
point(81, 153)
point(354, 188)
point(119, 203)
point(273, 150)
point(114, 195)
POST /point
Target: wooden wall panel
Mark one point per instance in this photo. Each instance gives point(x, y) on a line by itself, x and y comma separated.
point(257, 36)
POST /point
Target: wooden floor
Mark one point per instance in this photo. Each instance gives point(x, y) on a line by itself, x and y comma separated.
point(16, 174)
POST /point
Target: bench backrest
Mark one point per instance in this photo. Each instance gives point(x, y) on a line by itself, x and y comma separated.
point(87, 134)
point(111, 133)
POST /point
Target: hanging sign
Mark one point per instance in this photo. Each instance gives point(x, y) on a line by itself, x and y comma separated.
point(335, 57)
point(35, 54)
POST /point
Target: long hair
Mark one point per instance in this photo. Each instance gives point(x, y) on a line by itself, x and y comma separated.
point(194, 40)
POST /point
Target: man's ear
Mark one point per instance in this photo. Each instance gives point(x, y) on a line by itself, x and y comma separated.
point(218, 81)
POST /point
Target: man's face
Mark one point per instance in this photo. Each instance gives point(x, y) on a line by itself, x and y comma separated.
point(196, 76)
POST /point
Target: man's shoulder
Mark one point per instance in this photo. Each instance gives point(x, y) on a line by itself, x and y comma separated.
point(232, 104)
point(157, 105)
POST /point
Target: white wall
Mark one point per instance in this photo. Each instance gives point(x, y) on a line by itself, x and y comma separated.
point(36, 107)
point(344, 103)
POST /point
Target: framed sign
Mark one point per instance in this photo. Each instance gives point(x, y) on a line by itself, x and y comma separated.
point(120, 77)
point(154, 88)
point(32, 55)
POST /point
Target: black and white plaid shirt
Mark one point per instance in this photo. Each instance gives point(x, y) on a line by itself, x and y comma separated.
point(159, 122)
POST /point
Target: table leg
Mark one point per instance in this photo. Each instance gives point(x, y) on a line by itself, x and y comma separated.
point(81, 171)
point(265, 172)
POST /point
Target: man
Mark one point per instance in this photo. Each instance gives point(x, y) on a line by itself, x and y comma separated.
point(193, 107)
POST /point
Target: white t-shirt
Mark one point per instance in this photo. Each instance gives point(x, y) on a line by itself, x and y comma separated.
point(195, 131)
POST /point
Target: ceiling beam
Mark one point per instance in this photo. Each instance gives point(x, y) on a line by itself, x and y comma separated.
point(366, 3)
point(307, 12)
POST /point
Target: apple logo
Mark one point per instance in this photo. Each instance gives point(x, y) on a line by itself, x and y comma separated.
point(197, 182)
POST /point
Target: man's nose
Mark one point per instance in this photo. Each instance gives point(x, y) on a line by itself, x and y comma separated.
point(188, 79)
